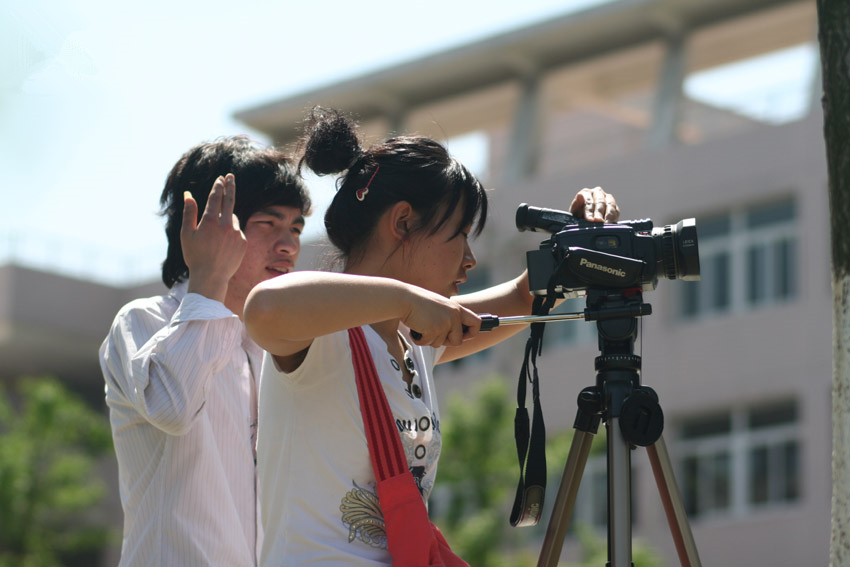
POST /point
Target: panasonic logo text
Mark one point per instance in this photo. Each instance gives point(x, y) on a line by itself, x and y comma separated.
point(601, 268)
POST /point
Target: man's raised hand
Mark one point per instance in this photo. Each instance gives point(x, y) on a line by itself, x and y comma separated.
point(214, 247)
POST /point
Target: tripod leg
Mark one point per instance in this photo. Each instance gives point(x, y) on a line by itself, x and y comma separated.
point(619, 497)
point(559, 522)
point(662, 469)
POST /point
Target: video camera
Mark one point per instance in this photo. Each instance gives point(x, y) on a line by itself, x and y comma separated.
point(581, 254)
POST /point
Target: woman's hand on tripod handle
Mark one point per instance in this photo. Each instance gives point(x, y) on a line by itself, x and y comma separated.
point(488, 323)
point(437, 320)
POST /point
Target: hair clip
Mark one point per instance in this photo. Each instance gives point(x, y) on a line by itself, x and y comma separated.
point(361, 193)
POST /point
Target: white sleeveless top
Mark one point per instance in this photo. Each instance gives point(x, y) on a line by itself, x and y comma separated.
point(319, 505)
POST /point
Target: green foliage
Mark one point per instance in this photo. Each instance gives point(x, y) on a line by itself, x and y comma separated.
point(595, 551)
point(477, 470)
point(49, 444)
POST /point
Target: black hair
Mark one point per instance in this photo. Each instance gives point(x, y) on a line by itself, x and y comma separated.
point(414, 169)
point(264, 177)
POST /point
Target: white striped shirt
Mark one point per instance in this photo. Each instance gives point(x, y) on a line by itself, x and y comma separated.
point(181, 392)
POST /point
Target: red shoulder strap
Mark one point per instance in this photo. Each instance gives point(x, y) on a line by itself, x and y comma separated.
point(382, 436)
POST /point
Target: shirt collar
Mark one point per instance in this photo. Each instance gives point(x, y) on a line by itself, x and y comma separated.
point(179, 290)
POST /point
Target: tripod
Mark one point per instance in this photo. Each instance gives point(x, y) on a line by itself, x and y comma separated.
point(632, 416)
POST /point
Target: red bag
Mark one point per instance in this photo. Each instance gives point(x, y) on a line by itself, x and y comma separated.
point(412, 539)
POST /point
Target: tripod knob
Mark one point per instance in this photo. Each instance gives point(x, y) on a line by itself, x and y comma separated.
point(589, 413)
point(617, 362)
point(641, 418)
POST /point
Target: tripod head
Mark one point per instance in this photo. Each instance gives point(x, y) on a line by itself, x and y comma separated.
point(618, 392)
point(615, 312)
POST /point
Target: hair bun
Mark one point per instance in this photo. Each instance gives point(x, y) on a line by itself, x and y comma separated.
point(330, 141)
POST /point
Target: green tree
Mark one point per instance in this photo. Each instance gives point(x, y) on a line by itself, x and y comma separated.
point(49, 444)
point(478, 473)
point(594, 551)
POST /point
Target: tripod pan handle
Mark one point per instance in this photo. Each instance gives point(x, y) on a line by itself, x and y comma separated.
point(488, 323)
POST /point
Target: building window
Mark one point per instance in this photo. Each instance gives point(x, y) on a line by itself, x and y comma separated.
point(740, 460)
point(572, 332)
point(747, 260)
point(774, 455)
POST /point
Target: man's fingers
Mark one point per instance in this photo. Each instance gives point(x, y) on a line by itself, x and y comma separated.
point(214, 202)
point(229, 196)
point(190, 213)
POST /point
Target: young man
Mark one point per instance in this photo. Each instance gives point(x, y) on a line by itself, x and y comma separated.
point(181, 372)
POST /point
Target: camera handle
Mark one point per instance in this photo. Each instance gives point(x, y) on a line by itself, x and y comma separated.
point(632, 416)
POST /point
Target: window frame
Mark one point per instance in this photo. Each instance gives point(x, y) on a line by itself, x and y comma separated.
point(739, 444)
point(708, 298)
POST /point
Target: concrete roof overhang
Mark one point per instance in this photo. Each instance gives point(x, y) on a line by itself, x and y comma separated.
point(524, 52)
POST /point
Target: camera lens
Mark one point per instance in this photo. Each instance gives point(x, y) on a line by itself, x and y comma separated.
point(679, 256)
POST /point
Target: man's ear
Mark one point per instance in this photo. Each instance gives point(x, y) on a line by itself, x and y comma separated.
point(402, 220)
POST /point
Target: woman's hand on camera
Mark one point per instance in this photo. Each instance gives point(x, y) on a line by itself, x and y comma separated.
point(437, 321)
point(595, 205)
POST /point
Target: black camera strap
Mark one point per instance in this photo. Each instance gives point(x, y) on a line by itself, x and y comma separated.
point(531, 438)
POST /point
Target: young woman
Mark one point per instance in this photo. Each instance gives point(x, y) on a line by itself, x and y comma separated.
point(401, 220)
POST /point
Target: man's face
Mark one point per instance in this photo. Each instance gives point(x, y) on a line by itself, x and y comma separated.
point(273, 235)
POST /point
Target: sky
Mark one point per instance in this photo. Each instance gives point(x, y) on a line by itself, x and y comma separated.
point(99, 98)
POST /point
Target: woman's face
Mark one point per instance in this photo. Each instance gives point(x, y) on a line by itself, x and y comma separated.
point(438, 262)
